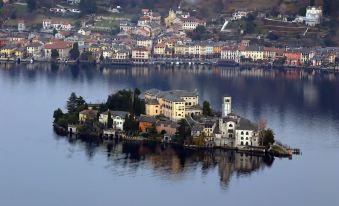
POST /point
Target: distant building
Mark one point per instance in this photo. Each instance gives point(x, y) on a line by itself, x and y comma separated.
point(239, 15)
point(50, 24)
point(140, 54)
point(62, 47)
point(313, 15)
point(192, 23)
point(21, 26)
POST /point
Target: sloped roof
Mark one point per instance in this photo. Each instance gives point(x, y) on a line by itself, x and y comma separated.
point(246, 124)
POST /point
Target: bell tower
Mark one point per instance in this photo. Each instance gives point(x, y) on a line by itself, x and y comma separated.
point(226, 106)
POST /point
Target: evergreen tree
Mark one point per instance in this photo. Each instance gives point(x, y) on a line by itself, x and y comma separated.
point(130, 125)
point(54, 54)
point(72, 103)
point(80, 101)
point(74, 53)
point(126, 100)
point(206, 109)
point(57, 114)
point(109, 120)
point(183, 133)
point(268, 137)
point(55, 32)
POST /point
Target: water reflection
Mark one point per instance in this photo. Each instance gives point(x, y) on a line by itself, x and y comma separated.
point(304, 91)
point(172, 162)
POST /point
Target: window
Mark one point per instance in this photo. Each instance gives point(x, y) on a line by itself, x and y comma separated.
point(242, 143)
point(242, 138)
point(246, 143)
point(230, 125)
point(242, 133)
point(246, 133)
point(246, 138)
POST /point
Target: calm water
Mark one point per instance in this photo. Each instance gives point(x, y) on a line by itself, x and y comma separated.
point(39, 168)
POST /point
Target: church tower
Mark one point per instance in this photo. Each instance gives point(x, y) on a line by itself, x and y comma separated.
point(226, 106)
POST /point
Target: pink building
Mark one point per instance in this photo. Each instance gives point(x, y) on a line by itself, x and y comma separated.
point(168, 126)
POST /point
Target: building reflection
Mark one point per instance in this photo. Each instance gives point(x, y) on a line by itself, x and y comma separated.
point(173, 162)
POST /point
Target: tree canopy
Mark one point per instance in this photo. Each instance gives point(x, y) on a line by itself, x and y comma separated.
point(54, 54)
point(206, 109)
point(75, 103)
point(130, 124)
point(268, 137)
point(183, 133)
point(74, 53)
point(200, 33)
point(109, 120)
point(126, 100)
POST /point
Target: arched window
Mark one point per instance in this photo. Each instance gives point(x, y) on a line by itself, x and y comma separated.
point(230, 125)
point(242, 143)
point(246, 138)
point(242, 138)
point(246, 143)
point(242, 133)
point(246, 133)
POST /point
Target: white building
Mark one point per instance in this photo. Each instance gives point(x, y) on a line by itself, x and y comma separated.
point(230, 54)
point(49, 24)
point(21, 26)
point(235, 131)
point(191, 23)
point(239, 15)
point(226, 106)
point(118, 118)
point(313, 15)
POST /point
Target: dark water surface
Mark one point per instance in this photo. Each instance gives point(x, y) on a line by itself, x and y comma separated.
point(39, 168)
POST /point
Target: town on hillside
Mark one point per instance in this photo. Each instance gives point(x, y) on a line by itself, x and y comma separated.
point(173, 116)
point(102, 32)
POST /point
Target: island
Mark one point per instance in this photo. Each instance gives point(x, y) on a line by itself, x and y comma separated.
point(169, 117)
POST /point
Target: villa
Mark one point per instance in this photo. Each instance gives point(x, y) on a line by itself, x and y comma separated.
point(175, 104)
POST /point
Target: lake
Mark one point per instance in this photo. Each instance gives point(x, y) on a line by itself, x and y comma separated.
point(38, 167)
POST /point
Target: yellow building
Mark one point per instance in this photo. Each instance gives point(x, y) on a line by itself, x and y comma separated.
point(8, 50)
point(159, 49)
point(87, 115)
point(255, 53)
point(170, 18)
point(152, 107)
point(171, 104)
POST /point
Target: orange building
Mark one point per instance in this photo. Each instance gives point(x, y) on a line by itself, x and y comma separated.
point(146, 123)
point(293, 58)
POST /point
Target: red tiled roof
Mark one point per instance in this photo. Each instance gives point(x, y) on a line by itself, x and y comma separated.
point(58, 45)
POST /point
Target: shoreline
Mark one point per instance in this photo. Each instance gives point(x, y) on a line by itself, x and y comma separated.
point(137, 139)
point(177, 63)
